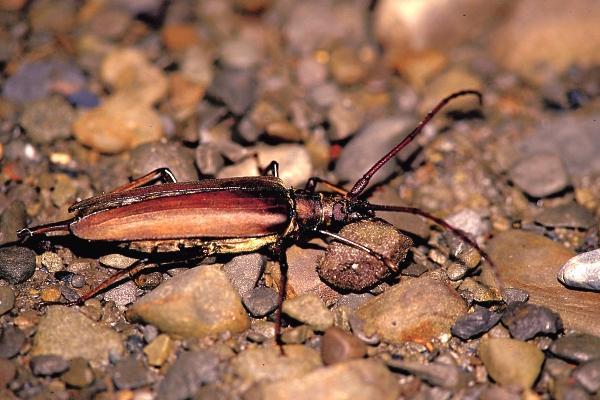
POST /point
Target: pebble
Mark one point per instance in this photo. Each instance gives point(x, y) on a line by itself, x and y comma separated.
point(122, 294)
point(369, 145)
point(588, 375)
point(447, 376)
point(244, 271)
point(472, 290)
point(357, 379)
point(79, 374)
point(11, 341)
point(119, 124)
point(150, 156)
point(297, 335)
point(8, 371)
point(31, 82)
point(48, 364)
point(473, 324)
point(13, 218)
point(129, 74)
point(197, 66)
point(512, 295)
point(455, 79)
point(66, 332)
point(346, 65)
point(540, 175)
point(268, 364)
point(260, 301)
point(525, 321)
point(531, 262)
point(51, 261)
point(416, 309)
point(50, 294)
point(234, 87)
point(131, 373)
point(577, 348)
point(242, 52)
point(117, 261)
point(469, 221)
point(582, 271)
point(511, 362)
point(48, 119)
point(570, 215)
point(196, 303)
point(338, 345)
point(185, 377)
point(179, 37)
point(17, 264)
point(521, 43)
point(310, 310)
point(295, 166)
point(354, 269)
point(159, 350)
point(7, 299)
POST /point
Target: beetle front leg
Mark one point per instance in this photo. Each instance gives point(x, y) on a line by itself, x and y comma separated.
point(312, 182)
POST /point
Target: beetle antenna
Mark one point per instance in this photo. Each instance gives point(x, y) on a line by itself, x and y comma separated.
point(441, 222)
point(360, 185)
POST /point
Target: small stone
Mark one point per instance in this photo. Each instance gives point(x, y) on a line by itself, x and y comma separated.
point(185, 377)
point(338, 345)
point(117, 261)
point(437, 374)
point(184, 95)
point(475, 323)
point(17, 264)
point(197, 303)
point(511, 362)
point(197, 66)
point(540, 175)
point(68, 333)
point(243, 52)
point(268, 364)
point(129, 74)
point(310, 310)
point(369, 145)
point(79, 374)
point(346, 66)
point(578, 348)
point(582, 271)
point(571, 215)
point(471, 290)
point(13, 218)
point(588, 375)
point(48, 119)
point(64, 190)
point(260, 301)
point(236, 88)
point(51, 294)
point(512, 295)
point(120, 123)
point(7, 299)
point(453, 80)
point(347, 267)
point(244, 271)
point(525, 321)
point(296, 335)
point(51, 261)
point(416, 309)
point(150, 156)
point(159, 350)
point(178, 37)
point(356, 379)
point(123, 294)
point(8, 371)
point(11, 341)
point(31, 82)
point(131, 373)
point(209, 159)
point(296, 166)
point(49, 364)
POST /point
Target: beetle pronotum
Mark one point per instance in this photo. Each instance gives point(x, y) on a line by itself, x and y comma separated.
point(232, 215)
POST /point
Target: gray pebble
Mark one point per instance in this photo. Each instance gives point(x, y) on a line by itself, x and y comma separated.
point(7, 299)
point(260, 301)
point(244, 271)
point(77, 281)
point(571, 215)
point(208, 158)
point(582, 271)
point(11, 341)
point(13, 218)
point(577, 348)
point(8, 371)
point(236, 88)
point(153, 155)
point(150, 333)
point(369, 145)
point(540, 175)
point(525, 321)
point(513, 295)
point(48, 119)
point(469, 221)
point(123, 294)
point(49, 364)
point(588, 375)
point(17, 264)
point(475, 323)
point(186, 376)
point(117, 261)
point(437, 374)
point(31, 82)
point(131, 373)
point(309, 309)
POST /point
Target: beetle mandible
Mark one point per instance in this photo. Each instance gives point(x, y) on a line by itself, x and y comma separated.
point(232, 215)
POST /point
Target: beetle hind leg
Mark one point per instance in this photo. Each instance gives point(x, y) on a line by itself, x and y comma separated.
point(160, 174)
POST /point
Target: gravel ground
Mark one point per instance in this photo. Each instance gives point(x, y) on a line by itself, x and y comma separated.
point(95, 93)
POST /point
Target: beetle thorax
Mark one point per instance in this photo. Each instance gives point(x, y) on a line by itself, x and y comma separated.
point(316, 210)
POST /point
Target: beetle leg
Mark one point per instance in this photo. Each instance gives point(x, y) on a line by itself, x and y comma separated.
point(312, 182)
point(273, 168)
point(61, 226)
point(279, 252)
point(160, 174)
point(388, 263)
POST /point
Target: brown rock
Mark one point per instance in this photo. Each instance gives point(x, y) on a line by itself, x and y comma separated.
point(338, 345)
point(531, 262)
point(416, 309)
point(179, 37)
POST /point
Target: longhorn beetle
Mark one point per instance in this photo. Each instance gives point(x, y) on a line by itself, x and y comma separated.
point(232, 215)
